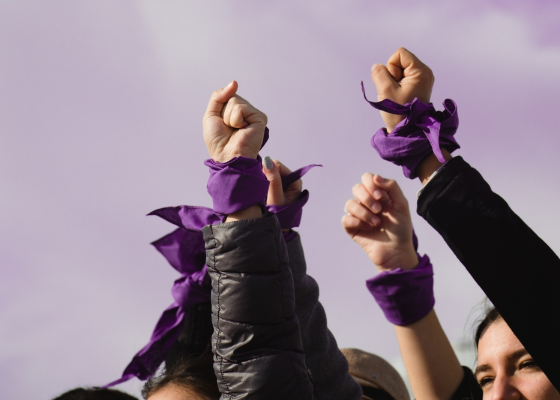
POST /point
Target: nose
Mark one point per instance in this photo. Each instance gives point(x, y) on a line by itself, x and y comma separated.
point(503, 388)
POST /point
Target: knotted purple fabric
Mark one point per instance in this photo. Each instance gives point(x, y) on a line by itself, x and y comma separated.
point(234, 186)
point(422, 132)
point(184, 250)
point(405, 296)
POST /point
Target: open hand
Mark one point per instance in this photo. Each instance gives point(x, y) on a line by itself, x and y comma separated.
point(232, 126)
point(379, 221)
point(404, 78)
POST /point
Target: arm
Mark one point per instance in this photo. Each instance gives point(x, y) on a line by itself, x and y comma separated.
point(379, 221)
point(256, 342)
point(515, 268)
point(518, 271)
point(327, 365)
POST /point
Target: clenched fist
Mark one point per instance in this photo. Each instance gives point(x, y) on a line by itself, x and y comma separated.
point(404, 78)
point(232, 126)
point(378, 219)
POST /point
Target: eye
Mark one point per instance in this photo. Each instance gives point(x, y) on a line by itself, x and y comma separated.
point(485, 381)
point(528, 364)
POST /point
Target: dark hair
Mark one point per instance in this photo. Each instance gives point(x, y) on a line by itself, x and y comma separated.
point(189, 363)
point(492, 315)
point(195, 373)
point(95, 394)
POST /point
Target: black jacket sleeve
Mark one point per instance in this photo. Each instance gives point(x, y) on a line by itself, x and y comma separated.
point(258, 353)
point(469, 389)
point(326, 364)
point(518, 272)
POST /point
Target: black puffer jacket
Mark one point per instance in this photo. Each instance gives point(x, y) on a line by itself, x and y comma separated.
point(258, 353)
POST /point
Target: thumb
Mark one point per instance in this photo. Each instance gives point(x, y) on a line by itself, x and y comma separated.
point(275, 190)
point(395, 193)
point(384, 81)
point(219, 98)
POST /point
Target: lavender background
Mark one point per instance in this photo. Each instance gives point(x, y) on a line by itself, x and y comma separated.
point(100, 109)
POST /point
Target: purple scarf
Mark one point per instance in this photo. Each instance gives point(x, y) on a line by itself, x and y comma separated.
point(422, 132)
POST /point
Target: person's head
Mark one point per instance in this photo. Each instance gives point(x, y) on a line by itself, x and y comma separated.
point(94, 394)
point(186, 378)
point(505, 370)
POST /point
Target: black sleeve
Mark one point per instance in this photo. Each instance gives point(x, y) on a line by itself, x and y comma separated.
point(257, 346)
point(469, 389)
point(518, 271)
point(327, 365)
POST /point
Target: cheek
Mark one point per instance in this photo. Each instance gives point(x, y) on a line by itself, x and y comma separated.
point(538, 387)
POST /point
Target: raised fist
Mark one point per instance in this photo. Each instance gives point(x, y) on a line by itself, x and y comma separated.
point(378, 219)
point(232, 126)
point(404, 78)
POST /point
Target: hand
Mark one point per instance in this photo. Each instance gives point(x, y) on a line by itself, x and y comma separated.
point(274, 170)
point(232, 127)
point(404, 78)
point(379, 221)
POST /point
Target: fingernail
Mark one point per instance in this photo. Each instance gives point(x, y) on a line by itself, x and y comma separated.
point(268, 164)
point(228, 85)
point(374, 221)
point(377, 194)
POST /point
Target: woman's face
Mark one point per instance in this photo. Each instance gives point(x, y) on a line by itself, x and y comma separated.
point(506, 371)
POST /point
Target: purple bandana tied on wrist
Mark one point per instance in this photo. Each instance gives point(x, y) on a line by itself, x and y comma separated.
point(405, 296)
point(235, 185)
point(422, 132)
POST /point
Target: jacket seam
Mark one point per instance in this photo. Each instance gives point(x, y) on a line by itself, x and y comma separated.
point(219, 340)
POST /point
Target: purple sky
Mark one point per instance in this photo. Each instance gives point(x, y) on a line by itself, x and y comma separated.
point(100, 109)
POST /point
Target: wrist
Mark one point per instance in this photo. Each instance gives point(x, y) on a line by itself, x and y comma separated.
point(253, 212)
point(406, 261)
point(430, 164)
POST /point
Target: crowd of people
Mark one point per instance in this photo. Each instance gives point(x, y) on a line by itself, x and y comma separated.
point(247, 323)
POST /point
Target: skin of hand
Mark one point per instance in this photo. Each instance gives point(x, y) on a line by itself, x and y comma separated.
point(276, 194)
point(404, 78)
point(232, 127)
point(378, 219)
point(506, 370)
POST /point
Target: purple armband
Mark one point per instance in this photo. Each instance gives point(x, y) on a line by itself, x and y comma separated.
point(405, 296)
point(422, 132)
point(236, 185)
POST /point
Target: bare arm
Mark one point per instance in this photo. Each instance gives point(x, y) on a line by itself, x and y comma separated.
point(379, 221)
point(432, 366)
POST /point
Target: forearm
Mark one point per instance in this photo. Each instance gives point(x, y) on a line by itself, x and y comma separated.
point(327, 365)
point(503, 255)
point(253, 212)
point(432, 366)
point(253, 299)
point(430, 165)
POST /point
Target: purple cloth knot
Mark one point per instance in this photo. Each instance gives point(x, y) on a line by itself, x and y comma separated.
point(422, 132)
point(184, 250)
